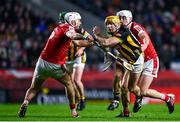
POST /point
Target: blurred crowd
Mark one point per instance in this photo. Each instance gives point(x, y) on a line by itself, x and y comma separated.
point(23, 33)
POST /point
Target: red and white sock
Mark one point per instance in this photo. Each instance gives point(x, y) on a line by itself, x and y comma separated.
point(165, 97)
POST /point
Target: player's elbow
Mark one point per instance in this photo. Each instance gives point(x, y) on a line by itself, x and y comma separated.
point(144, 92)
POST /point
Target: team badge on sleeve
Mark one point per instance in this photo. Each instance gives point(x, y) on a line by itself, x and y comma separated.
point(71, 32)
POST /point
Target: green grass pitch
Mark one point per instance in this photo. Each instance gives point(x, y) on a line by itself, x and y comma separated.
point(95, 111)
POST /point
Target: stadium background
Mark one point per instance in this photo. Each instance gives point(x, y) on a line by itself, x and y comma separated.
point(26, 25)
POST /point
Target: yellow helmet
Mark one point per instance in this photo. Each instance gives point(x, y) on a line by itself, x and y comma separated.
point(112, 19)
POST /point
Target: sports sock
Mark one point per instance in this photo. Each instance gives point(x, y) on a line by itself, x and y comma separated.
point(126, 109)
point(72, 106)
point(165, 97)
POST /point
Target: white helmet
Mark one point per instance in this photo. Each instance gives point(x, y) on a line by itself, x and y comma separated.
point(72, 16)
point(125, 13)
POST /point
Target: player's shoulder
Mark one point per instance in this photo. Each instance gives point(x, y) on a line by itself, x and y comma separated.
point(65, 27)
point(136, 26)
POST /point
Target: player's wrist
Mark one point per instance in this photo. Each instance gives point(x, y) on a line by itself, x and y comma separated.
point(85, 37)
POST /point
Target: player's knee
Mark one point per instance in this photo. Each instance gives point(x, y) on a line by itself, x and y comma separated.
point(124, 89)
point(68, 84)
point(117, 79)
point(124, 86)
point(143, 92)
point(77, 81)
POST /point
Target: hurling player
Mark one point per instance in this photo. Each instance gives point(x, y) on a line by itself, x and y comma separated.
point(51, 62)
point(151, 63)
point(129, 50)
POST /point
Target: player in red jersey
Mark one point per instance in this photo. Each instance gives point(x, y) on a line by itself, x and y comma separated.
point(151, 64)
point(51, 62)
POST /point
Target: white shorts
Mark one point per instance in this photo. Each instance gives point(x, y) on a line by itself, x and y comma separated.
point(78, 62)
point(46, 69)
point(151, 67)
point(138, 65)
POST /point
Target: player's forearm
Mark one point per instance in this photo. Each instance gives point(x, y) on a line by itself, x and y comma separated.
point(145, 39)
point(77, 36)
point(146, 43)
point(103, 41)
point(82, 43)
point(143, 46)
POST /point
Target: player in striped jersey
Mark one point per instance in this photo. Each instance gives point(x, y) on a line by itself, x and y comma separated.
point(151, 64)
point(129, 49)
point(77, 57)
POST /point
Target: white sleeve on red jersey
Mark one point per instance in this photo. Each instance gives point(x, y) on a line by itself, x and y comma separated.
point(70, 32)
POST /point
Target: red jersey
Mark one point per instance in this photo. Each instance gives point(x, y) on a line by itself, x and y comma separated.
point(149, 52)
point(58, 44)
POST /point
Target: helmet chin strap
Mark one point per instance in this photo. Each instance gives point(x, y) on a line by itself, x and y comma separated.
point(128, 24)
point(72, 23)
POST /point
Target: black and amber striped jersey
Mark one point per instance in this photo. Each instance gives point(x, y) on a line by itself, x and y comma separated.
point(73, 50)
point(128, 47)
point(71, 54)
